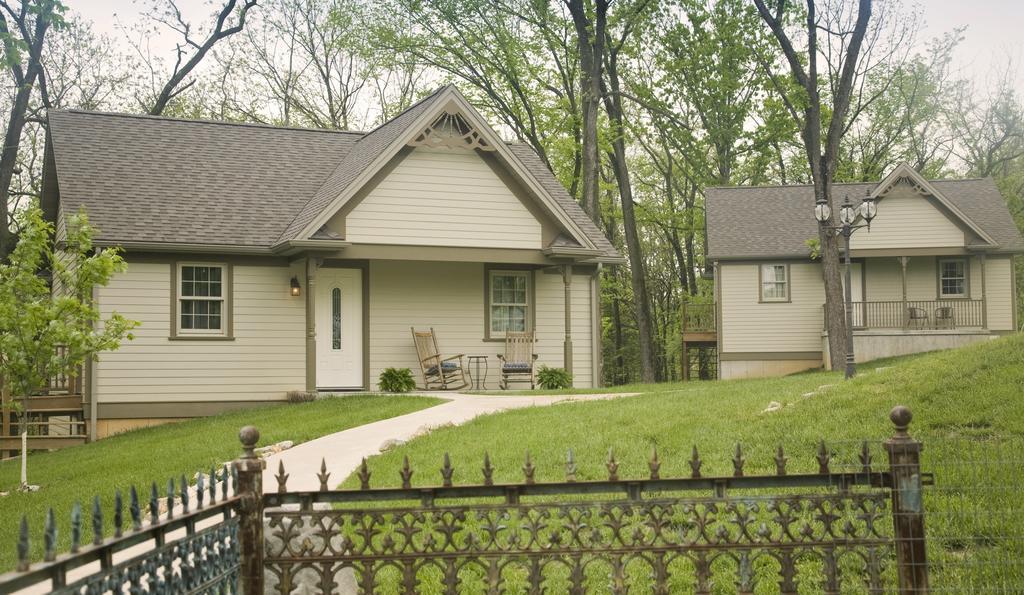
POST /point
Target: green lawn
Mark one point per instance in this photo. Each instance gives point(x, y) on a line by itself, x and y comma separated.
point(156, 454)
point(968, 407)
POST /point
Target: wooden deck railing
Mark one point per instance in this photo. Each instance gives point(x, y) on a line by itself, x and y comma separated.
point(699, 318)
point(919, 314)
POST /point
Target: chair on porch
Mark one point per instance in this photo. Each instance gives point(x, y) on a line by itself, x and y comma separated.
point(441, 373)
point(517, 363)
point(916, 317)
point(944, 317)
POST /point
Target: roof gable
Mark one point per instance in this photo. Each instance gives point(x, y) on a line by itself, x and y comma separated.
point(444, 118)
point(904, 173)
point(760, 222)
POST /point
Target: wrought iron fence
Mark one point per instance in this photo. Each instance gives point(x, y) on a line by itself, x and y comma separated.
point(184, 541)
point(836, 530)
point(843, 528)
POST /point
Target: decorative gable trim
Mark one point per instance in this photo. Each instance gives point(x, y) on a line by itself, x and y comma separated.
point(904, 173)
point(454, 103)
point(451, 131)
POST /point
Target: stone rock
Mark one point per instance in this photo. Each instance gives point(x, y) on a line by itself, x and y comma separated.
point(773, 406)
point(823, 387)
point(391, 443)
point(266, 451)
point(810, 394)
point(28, 488)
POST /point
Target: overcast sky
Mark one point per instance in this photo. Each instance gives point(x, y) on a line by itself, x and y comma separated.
point(993, 36)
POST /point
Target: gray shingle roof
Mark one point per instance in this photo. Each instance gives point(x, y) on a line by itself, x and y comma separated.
point(165, 180)
point(775, 221)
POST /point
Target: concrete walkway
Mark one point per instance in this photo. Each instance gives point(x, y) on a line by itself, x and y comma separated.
point(343, 451)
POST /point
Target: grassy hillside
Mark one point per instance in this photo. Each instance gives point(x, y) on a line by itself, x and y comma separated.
point(159, 453)
point(968, 407)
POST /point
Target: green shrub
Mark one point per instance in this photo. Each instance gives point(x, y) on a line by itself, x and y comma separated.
point(396, 380)
point(554, 378)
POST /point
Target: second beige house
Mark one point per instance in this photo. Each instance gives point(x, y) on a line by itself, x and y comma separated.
point(934, 271)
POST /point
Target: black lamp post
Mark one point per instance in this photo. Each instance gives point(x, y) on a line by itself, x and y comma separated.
point(847, 218)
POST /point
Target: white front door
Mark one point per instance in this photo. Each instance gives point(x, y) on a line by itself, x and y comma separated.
point(339, 328)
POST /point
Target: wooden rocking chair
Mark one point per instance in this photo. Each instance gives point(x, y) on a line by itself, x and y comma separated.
point(517, 364)
point(438, 373)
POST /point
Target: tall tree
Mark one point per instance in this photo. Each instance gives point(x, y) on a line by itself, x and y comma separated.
point(23, 29)
point(590, 18)
point(811, 112)
point(189, 51)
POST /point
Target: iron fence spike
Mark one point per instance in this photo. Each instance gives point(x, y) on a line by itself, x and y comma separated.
point(118, 513)
point(695, 463)
point(738, 461)
point(225, 473)
point(447, 471)
point(570, 467)
point(488, 470)
point(613, 466)
point(76, 526)
point(282, 478)
point(49, 537)
point(406, 473)
point(528, 469)
point(213, 485)
point(780, 461)
point(170, 498)
point(823, 457)
point(200, 490)
point(364, 475)
point(865, 457)
point(323, 476)
point(23, 544)
point(234, 479)
point(184, 495)
point(654, 464)
point(134, 510)
point(154, 505)
point(97, 521)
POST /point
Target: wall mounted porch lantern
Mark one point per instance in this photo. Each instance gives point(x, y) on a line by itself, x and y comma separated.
point(296, 288)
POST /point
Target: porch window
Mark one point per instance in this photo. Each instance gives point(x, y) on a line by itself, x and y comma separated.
point(952, 278)
point(509, 293)
point(774, 283)
point(201, 301)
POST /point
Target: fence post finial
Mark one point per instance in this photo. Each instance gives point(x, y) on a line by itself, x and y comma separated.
point(907, 508)
point(249, 469)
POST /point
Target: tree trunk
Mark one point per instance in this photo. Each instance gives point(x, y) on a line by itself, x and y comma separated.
point(642, 302)
point(25, 82)
point(590, 35)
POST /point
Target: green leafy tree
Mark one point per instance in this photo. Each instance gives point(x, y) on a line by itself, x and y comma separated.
point(35, 321)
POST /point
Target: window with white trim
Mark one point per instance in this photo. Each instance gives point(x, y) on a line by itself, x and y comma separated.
point(953, 278)
point(201, 301)
point(774, 283)
point(509, 293)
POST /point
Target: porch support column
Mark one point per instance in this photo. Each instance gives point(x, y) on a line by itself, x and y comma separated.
point(567, 347)
point(984, 300)
point(904, 260)
point(311, 267)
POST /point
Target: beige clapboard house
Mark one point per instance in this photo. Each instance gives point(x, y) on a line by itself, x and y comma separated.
point(429, 221)
point(934, 271)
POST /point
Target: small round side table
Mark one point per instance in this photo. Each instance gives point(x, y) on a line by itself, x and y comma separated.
point(478, 381)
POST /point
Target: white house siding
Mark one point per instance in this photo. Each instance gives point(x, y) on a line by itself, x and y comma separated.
point(442, 197)
point(266, 359)
point(750, 326)
point(908, 220)
point(449, 297)
point(999, 292)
